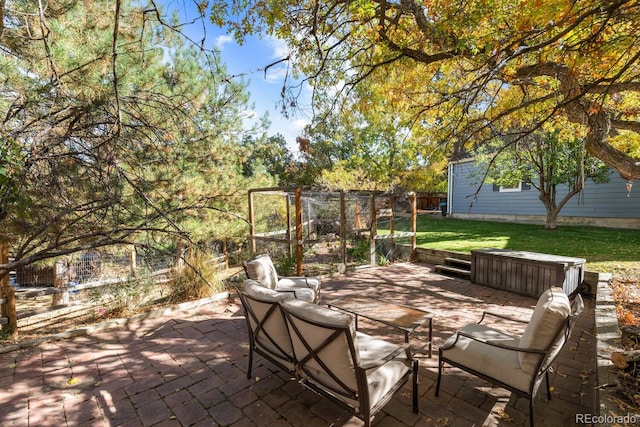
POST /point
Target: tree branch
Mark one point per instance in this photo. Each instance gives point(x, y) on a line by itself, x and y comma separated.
point(114, 67)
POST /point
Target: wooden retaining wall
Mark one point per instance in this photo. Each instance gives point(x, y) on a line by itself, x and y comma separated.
point(526, 273)
point(590, 279)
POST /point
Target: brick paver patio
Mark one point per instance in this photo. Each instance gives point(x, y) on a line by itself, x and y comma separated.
point(188, 368)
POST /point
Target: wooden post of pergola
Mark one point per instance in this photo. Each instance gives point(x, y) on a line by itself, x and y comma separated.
point(252, 223)
point(392, 227)
point(414, 215)
point(289, 236)
point(374, 229)
point(8, 296)
point(309, 220)
point(343, 229)
point(299, 248)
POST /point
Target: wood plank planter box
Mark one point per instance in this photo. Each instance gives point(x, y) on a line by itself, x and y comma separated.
point(526, 273)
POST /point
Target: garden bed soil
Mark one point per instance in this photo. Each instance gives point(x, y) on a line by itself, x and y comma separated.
point(626, 294)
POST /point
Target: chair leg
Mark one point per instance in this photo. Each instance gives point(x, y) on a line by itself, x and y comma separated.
point(250, 363)
point(440, 363)
point(531, 411)
point(415, 386)
point(546, 377)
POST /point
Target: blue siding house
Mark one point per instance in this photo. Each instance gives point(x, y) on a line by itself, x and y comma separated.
point(605, 205)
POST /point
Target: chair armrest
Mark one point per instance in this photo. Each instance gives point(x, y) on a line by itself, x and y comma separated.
point(500, 316)
point(306, 280)
point(287, 291)
point(384, 359)
point(497, 345)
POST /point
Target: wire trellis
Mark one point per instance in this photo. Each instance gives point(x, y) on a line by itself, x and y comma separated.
point(325, 231)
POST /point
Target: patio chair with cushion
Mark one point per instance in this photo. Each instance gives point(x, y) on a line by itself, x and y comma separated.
point(516, 363)
point(261, 269)
point(355, 370)
point(268, 334)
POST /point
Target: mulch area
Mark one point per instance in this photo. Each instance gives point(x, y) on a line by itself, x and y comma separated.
point(37, 318)
point(626, 293)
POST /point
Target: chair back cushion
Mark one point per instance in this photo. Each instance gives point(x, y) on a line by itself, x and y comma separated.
point(266, 320)
point(543, 331)
point(323, 344)
point(261, 268)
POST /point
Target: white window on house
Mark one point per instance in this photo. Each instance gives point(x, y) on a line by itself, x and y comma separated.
point(522, 186)
point(511, 189)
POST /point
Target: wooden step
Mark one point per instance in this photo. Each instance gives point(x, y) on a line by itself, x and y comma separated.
point(454, 271)
point(457, 261)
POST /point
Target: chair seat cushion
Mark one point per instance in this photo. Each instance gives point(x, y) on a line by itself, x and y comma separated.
point(383, 378)
point(503, 365)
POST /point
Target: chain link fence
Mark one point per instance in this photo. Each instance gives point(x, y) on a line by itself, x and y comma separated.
point(92, 266)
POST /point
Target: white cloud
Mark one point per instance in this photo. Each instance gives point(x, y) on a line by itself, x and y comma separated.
point(299, 124)
point(222, 40)
point(278, 47)
point(290, 130)
point(277, 50)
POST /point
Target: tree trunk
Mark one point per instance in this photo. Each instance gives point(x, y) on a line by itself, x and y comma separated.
point(60, 281)
point(551, 222)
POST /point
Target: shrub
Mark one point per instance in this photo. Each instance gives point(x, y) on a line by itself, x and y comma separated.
point(359, 250)
point(286, 266)
point(120, 298)
point(197, 278)
point(382, 259)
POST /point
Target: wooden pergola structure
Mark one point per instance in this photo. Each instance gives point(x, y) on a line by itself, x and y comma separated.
point(295, 240)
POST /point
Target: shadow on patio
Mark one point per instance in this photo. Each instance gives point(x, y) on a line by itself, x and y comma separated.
point(189, 368)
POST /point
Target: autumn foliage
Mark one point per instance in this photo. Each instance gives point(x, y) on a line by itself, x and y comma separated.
point(468, 71)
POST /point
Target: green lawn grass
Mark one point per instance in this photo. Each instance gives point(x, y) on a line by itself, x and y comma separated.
point(605, 249)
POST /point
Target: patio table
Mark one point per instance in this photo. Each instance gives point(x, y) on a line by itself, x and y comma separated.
point(402, 317)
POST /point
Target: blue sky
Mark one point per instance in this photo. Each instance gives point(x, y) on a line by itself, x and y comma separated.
point(249, 60)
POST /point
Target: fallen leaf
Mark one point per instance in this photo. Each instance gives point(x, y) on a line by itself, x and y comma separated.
point(618, 360)
point(503, 415)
